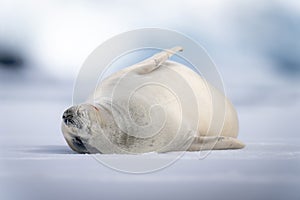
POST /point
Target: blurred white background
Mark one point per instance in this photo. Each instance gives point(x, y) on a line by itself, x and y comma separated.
point(255, 45)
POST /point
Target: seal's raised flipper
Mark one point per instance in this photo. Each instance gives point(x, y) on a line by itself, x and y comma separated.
point(215, 143)
point(155, 61)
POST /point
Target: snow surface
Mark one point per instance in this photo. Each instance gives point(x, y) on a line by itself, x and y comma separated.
point(36, 163)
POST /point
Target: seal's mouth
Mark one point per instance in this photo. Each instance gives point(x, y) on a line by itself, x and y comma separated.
point(73, 123)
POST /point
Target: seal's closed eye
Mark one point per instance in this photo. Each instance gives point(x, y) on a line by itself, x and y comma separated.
point(78, 144)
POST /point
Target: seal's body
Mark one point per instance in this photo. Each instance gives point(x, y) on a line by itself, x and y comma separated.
point(155, 105)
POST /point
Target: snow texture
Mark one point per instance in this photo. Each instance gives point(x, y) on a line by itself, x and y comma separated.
point(36, 163)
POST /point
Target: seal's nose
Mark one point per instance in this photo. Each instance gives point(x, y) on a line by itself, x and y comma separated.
point(68, 116)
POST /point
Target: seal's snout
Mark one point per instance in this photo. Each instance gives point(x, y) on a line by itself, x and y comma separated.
point(68, 116)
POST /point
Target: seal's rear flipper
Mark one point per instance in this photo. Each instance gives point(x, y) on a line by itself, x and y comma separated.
point(156, 61)
point(215, 143)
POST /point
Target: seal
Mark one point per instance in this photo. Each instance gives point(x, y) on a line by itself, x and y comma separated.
point(147, 108)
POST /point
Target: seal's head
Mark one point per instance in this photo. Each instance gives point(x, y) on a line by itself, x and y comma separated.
point(78, 124)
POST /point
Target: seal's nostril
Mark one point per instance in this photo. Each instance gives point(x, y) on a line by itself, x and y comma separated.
point(68, 117)
point(68, 114)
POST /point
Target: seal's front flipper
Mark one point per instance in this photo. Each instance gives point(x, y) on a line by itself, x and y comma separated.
point(156, 61)
point(215, 143)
